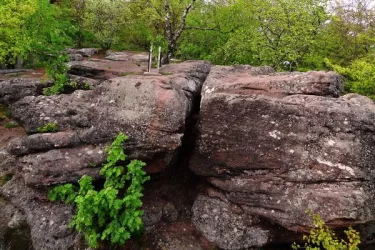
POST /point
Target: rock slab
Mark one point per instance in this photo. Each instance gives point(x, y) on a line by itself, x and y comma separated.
point(151, 110)
point(278, 144)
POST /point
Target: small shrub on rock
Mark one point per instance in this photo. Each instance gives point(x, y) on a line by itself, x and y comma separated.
point(321, 237)
point(113, 213)
point(50, 127)
point(57, 70)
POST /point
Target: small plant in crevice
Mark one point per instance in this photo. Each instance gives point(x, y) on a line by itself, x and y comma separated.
point(11, 125)
point(5, 178)
point(5, 113)
point(321, 237)
point(111, 214)
point(50, 127)
point(57, 70)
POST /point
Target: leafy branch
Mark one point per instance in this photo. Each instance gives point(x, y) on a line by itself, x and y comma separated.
point(113, 213)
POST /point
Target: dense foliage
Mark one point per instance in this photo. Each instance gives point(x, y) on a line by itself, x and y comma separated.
point(50, 127)
point(286, 34)
point(322, 237)
point(112, 213)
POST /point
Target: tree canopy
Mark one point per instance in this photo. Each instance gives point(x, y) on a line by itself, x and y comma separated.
point(285, 34)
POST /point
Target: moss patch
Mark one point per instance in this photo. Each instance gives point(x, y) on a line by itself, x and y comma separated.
point(5, 178)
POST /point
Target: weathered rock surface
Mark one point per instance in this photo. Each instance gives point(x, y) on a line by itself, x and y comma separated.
point(84, 82)
point(279, 144)
point(48, 221)
point(86, 52)
point(15, 89)
point(105, 69)
point(127, 56)
point(151, 110)
point(75, 57)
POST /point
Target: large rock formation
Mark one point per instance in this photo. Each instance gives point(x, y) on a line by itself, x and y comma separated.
point(151, 110)
point(274, 145)
point(270, 146)
point(105, 69)
point(15, 89)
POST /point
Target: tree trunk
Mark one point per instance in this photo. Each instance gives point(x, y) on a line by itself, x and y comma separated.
point(171, 35)
point(167, 57)
point(19, 63)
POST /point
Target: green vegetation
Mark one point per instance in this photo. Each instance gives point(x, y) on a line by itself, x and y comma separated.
point(321, 237)
point(286, 34)
point(50, 127)
point(5, 178)
point(57, 70)
point(11, 125)
point(359, 75)
point(4, 113)
point(113, 213)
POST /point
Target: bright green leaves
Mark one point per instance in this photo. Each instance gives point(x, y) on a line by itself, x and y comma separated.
point(359, 76)
point(66, 193)
point(57, 70)
point(14, 15)
point(113, 213)
point(321, 237)
point(105, 18)
point(30, 28)
point(50, 127)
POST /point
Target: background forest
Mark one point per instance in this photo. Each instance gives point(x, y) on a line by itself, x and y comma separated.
point(285, 34)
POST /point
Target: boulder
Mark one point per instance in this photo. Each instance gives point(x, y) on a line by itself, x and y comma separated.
point(105, 69)
point(75, 57)
point(151, 110)
point(13, 90)
point(83, 82)
point(48, 221)
point(278, 144)
point(86, 52)
point(127, 56)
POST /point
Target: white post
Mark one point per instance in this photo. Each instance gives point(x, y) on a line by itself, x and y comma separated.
point(159, 54)
point(150, 60)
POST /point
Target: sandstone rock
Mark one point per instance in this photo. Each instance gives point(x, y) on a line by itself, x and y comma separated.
point(105, 69)
point(271, 145)
point(151, 110)
point(75, 57)
point(86, 52)
point(127, 56)
point(248, 80)
point(84, 82)
point(226, 228)
point(15, 89)
point(43, 142)
point(153, 213)
point(61, 165)
point(48, 221)
point(170, 213)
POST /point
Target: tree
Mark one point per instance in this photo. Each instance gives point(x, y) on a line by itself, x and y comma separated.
point(13, 17)
point(279, 33)
point(167, 17)
point(209, 28)
point(30, 27)
point(173, 29)
point(287, 30)
point(351, 31)
point(75, 10)
point(105, 18)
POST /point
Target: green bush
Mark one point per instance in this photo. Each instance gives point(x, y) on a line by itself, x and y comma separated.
point(359, 76)
point(322, 237)
point(57, 70)
point(50, 127)
point(113, 213)
point(11, 125)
